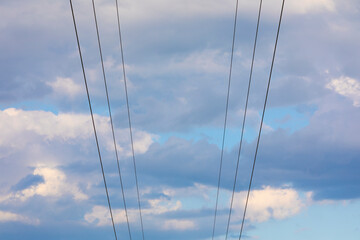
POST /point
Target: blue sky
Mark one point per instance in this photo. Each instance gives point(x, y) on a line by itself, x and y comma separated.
point(177, 55)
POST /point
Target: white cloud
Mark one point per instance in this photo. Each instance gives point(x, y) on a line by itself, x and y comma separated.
point(100, 215)
point(348, 87)
point(142, 141)
point(16, 123)
point(161, 206)
point(13, 217)
point(266, 203)
point(55, 185)
point(18, 127)
point(66, 87)
point(181, 225)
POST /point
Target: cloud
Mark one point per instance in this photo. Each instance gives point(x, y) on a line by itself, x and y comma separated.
point(269, 202)
point(348, 87)
point(314, 6)
point(322, 157)
point(48, 125)
point(100, 215)
point(19, 126)
point(140, 11)
point(142, 141)
point(66, 87)
point(28, 181)
point(310, 6)
point(207, 61)
point(54, 185)
point(13, 217)
point(161, 206)
point(183, 89)
point(179, 225)
point(264, 203)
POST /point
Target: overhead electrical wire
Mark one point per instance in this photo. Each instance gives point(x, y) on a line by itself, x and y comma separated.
point(244, 118)
point(92, 119)
point(262, 118)
point(110, 115)
point(129, 118)
point(225, 120)
point(130, 125)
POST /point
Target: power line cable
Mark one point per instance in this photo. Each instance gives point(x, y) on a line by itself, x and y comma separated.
point(262, 118)
point(226, 114)
point(110, 115)
point(244, 119)
point(129, 119)
point(92, 119)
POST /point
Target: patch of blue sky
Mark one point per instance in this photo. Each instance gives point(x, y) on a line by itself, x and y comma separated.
point(292, 119)
point(331, 221)
point(192, 203)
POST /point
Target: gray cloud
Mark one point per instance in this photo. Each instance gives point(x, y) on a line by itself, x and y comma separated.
point(177, 64)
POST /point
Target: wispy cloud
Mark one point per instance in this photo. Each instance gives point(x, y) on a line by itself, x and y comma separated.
point(66, 87)
point(180, 225)
point(13, 217)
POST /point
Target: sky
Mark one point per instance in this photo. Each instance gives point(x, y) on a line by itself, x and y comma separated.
point(177, 57)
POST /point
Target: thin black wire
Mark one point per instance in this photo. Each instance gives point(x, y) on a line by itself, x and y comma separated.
point(262, 119)
point(92, 119)
point(129, 119)
point(110, 115)
point(226, 114)
point(244, 119)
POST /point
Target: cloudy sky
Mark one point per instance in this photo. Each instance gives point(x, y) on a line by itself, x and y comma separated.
point(177, 56)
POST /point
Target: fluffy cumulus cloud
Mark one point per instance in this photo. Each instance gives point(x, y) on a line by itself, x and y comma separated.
point(266, 203)
point(45, 124)
point(54, 185)
point(43, 175)
point(348, 87)
point(100, 215)
point(65, 127)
